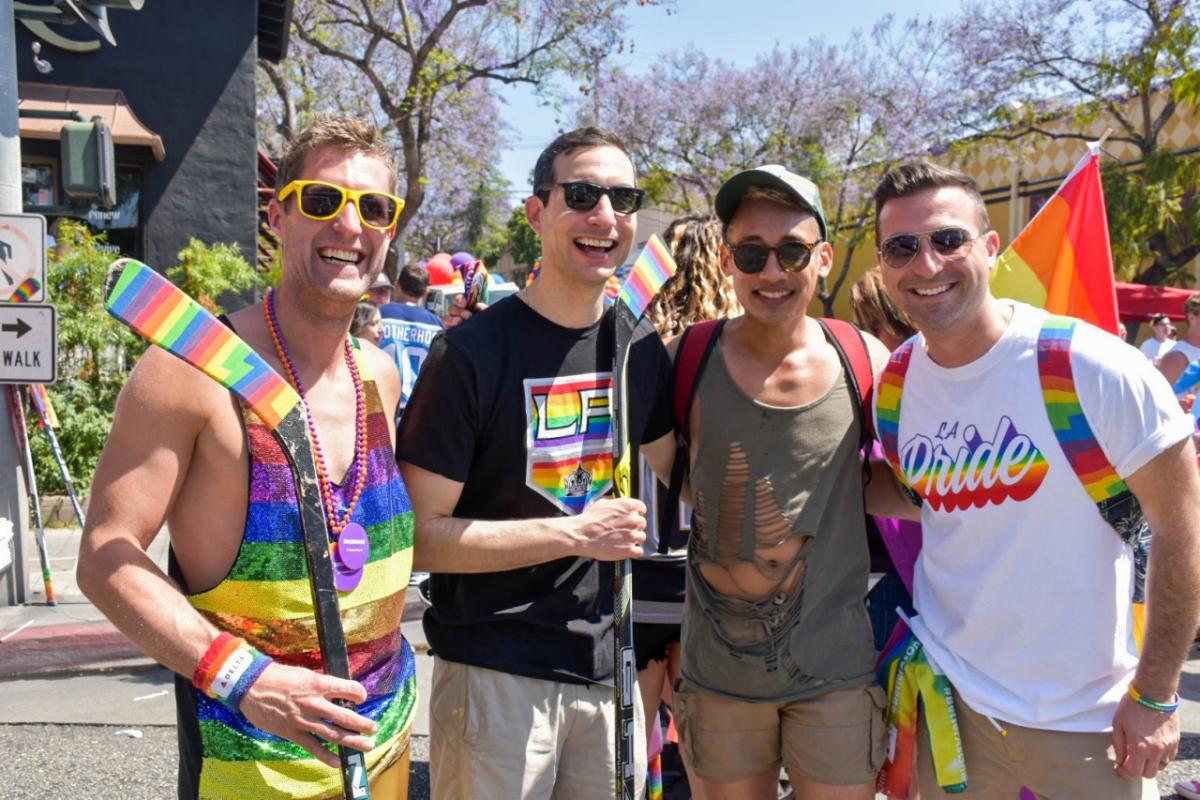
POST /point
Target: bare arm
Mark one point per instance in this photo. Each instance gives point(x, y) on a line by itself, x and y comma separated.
point(609, 530)
point(885, 498)
point(1168, 488)
point(1172, 365)
point(140, 472)
point(161, 412)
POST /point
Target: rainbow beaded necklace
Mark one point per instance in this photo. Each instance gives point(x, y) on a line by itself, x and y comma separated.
point(333, 521)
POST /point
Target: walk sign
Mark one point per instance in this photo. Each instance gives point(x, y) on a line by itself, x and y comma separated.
point(22, 258)
point(28, 343)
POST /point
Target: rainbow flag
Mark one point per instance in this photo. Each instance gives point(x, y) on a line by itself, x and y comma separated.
point(649, 273)
point(1061, 261)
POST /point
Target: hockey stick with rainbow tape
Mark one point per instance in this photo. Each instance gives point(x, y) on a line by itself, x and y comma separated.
point(159, 311)
point(651, 270)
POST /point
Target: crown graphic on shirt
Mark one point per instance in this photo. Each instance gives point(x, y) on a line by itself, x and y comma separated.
point(578, 482)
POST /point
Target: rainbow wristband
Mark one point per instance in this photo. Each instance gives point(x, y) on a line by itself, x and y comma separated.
point(1162, 708)
point(228, 669)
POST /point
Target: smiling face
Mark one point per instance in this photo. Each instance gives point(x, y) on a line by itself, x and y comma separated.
point(946, 297)
point(773, 295)
point(584, 246)
point(340, 257)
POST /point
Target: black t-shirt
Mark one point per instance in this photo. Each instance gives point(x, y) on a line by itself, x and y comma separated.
point(516, 408)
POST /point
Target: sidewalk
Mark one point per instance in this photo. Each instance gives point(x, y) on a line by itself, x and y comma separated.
point(73, 636)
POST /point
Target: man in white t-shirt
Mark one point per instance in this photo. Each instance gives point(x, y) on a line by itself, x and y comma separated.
point(1023, 589)
point(1160, 343)
point(1187, 349)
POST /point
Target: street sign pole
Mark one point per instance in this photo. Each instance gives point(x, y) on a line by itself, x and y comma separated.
point(14, 503)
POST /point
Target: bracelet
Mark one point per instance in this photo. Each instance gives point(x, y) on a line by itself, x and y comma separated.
point(1162, 708)
point(228, 669)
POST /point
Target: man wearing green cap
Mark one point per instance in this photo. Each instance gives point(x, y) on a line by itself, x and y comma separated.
point(777, 648)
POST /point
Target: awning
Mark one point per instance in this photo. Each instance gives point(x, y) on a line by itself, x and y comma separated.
point(1137, 302)
point(108, 104)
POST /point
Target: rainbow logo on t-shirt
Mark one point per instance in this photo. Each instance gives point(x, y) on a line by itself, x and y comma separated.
point(569, 438)
point(1006, 466)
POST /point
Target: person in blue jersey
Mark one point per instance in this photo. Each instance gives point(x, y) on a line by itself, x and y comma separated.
point(409, 328)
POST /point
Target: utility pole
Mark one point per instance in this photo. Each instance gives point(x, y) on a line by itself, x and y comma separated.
point(14, 499)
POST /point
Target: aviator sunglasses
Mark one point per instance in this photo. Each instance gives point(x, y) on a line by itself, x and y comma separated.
point(323, 201)
point(751, 258)
point(899, 251)
point(583, 196)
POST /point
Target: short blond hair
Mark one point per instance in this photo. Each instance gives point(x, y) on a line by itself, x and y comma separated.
point(340, 131)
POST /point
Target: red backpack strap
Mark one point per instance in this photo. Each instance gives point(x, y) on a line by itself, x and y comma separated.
point(852, 349)
point(694, 349)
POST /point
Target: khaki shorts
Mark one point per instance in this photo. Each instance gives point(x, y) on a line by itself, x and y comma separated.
point(1055, 765)
point(837, 738)
point(495, 735)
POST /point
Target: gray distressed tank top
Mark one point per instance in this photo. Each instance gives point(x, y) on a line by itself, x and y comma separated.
point(777, 561)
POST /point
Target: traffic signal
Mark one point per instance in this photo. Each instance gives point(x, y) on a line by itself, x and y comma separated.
point(88, 162)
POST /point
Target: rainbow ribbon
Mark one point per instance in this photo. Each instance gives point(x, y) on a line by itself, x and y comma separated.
point(914, 685)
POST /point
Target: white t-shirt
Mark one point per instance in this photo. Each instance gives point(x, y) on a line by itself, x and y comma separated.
point(1022, 589)
point(1153, 349)
point(1187, 348)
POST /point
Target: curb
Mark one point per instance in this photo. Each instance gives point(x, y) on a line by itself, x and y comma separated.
point(68, 647)
point(40, 651)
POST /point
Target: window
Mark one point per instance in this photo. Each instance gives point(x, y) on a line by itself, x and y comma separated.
point(39, 182)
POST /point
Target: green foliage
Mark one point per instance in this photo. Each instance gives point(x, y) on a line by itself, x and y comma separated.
point(205, 272)
point(85, 415)
point(95, 352)
point(516, 238)
point(1154, 217)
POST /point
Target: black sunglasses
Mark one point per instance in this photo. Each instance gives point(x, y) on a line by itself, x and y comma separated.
point(751, 258)
point(583, 196)
point(899, 251)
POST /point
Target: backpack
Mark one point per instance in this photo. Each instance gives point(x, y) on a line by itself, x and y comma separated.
point(695, 347)
point(1116, 503)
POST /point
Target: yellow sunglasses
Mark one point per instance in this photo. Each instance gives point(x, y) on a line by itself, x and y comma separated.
point(323, 201)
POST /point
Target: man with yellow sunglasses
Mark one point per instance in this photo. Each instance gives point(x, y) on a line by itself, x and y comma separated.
point(238, 601)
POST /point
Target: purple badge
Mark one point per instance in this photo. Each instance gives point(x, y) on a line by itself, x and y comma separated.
point(346, 580)
point(353, 548)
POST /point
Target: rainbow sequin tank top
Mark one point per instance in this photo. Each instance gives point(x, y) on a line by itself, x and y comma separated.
point(266, 599)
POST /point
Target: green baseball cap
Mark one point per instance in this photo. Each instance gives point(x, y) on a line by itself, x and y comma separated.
point(775, 176)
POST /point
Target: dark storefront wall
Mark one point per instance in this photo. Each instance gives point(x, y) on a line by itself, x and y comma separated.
point(187, 70)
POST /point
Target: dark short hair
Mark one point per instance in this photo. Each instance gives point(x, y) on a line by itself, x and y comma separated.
point(1159, 319)
point(339, 131)
point(569, 142)
point(413, 280)
point(906, 180)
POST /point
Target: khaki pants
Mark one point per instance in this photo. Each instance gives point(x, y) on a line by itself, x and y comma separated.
point(1055, 765)
point(495, 735)
point(836, 738)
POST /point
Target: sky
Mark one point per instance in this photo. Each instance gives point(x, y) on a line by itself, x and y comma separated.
point(708, 25)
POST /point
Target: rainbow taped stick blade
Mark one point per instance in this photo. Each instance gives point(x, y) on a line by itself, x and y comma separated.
point(477, 286)
point(651, 270)
point(159, 311)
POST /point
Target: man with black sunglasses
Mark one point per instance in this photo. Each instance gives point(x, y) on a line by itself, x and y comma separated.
point(778, 653)
point(1030, 440)
point(234, 615)
point(507, 444)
